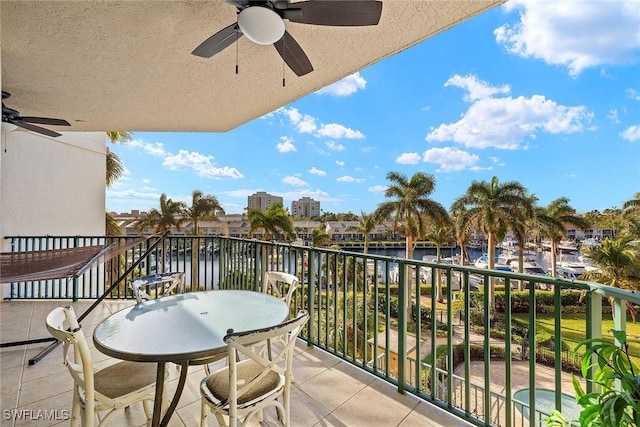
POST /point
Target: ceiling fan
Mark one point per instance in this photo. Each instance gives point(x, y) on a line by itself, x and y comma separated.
point(262, 21)
point(9, 115)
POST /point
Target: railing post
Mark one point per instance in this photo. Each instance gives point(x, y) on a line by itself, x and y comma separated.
point(75, 279)
point(311, 288)
point(594, 327)
point(403, 316)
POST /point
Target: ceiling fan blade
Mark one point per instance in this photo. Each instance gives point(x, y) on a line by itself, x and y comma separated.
point(45, 121)
point(293, 55)
point(217, 42)
point(34, 128)
point(351, 13)
point(240, 4)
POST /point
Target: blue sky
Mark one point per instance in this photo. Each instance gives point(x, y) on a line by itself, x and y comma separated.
point(546, 93)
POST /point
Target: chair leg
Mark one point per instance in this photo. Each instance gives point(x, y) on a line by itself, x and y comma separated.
point(75, 408)
point(204, 412)
point(148, 412)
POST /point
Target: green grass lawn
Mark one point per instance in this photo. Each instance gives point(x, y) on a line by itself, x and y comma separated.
point(573, 329)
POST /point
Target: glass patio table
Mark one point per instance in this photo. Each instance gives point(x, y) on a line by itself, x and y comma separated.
point(184, 329)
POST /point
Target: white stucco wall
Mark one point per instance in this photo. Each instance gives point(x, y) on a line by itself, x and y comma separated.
point(52, 186)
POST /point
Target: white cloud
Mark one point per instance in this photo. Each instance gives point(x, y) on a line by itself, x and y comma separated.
point(347, 178)
point(334, 130)
point(476, 88)
point(450, 159)
point(333, 146)
point(286, 145)
point(632, 133)
point(408, 159)
point(201, 164)
point(304, 123)
point(613, 115)
point(633, 94)
point(378, 188)
point(155, 149)
point(574, 34)
point(295, 181)
point(316, 171)
point(504, 122)
point(346, 86)
point(339, 163)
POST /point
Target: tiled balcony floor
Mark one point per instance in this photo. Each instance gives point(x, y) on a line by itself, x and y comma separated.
point(326, 392)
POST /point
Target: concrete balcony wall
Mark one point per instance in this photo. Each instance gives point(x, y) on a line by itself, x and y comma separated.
point(51, 186)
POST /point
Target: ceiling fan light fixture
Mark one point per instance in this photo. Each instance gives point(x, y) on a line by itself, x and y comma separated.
point(261, 25)
point(8, 127)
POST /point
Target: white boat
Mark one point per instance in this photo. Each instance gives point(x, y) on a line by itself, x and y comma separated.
point(568, 246)
point(483, 262)
point(592, 241)
point(425, 274)
point(509, 245)
point(570, 266)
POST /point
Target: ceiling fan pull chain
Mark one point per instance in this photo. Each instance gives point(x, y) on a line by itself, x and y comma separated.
point(284, 53)
point(237, 37)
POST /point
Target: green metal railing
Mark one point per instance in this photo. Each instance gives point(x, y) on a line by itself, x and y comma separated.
point(359, 307)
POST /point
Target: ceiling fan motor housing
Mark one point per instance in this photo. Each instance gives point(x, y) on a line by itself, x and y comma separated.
point(261, 25)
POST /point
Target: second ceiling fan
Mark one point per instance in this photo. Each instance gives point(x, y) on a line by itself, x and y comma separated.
point(262, 21)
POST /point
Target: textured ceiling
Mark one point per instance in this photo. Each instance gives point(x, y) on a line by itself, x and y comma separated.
point(127, 65)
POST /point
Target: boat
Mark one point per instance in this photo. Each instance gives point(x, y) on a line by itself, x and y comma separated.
point(568, 246)
point(483, 262)
point(590, 242)
point(570, 266)
point(425, 274)
point(509, 245)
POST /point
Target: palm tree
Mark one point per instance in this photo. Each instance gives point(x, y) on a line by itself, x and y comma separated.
point(551, 221)
point(203, 206)
point(438, 233)
point(631, 215)
point(274, 221)
point(319, 237)
point(618, 263)
point(170, 214)
point(522, 221)
point(366, 224)
point(114, 170)
point(462, 228)
point(489, 206)
point(409, 207)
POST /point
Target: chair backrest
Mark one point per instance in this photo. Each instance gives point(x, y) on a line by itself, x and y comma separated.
point(241, 346)
point(63, 325)
point(166, 282)
point(270, 284)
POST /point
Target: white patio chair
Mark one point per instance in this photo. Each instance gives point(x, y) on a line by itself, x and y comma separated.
point(270, 285)
point(244, 388)
point(110, 389)
point(165, 283)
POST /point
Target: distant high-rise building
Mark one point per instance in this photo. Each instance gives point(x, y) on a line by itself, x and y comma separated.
point(305, 208)
point(262, 201)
